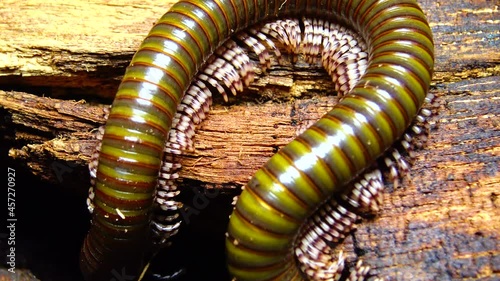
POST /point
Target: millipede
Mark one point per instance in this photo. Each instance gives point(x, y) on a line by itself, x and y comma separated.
point(306, 197)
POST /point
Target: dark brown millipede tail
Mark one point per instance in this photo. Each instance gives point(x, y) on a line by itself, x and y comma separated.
point(322, 162)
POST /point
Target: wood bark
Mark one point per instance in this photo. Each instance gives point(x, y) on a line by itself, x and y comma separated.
point(59, 71)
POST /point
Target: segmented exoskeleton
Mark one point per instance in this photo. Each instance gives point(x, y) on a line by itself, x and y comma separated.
point(322, 162)
point(263, 240)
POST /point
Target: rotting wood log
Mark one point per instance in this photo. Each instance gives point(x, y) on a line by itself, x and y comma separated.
point(59, 70)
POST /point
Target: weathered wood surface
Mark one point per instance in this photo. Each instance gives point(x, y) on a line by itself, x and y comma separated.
point(443, 225)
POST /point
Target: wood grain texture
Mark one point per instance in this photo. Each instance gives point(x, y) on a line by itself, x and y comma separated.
point(72, 44)
point(442, 225)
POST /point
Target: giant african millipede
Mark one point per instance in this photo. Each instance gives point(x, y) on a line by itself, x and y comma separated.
point(301, 199)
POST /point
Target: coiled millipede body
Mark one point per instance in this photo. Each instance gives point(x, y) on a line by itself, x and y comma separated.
point(268, 232)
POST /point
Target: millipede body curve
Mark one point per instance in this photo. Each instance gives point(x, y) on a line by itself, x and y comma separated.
point(318, 164)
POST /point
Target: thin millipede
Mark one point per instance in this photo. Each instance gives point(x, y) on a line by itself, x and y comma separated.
point(332, 160)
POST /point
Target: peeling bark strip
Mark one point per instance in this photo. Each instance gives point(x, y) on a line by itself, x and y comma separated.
point(441, 226)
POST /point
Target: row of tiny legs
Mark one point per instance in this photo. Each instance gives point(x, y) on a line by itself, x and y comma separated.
point(230, 69)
